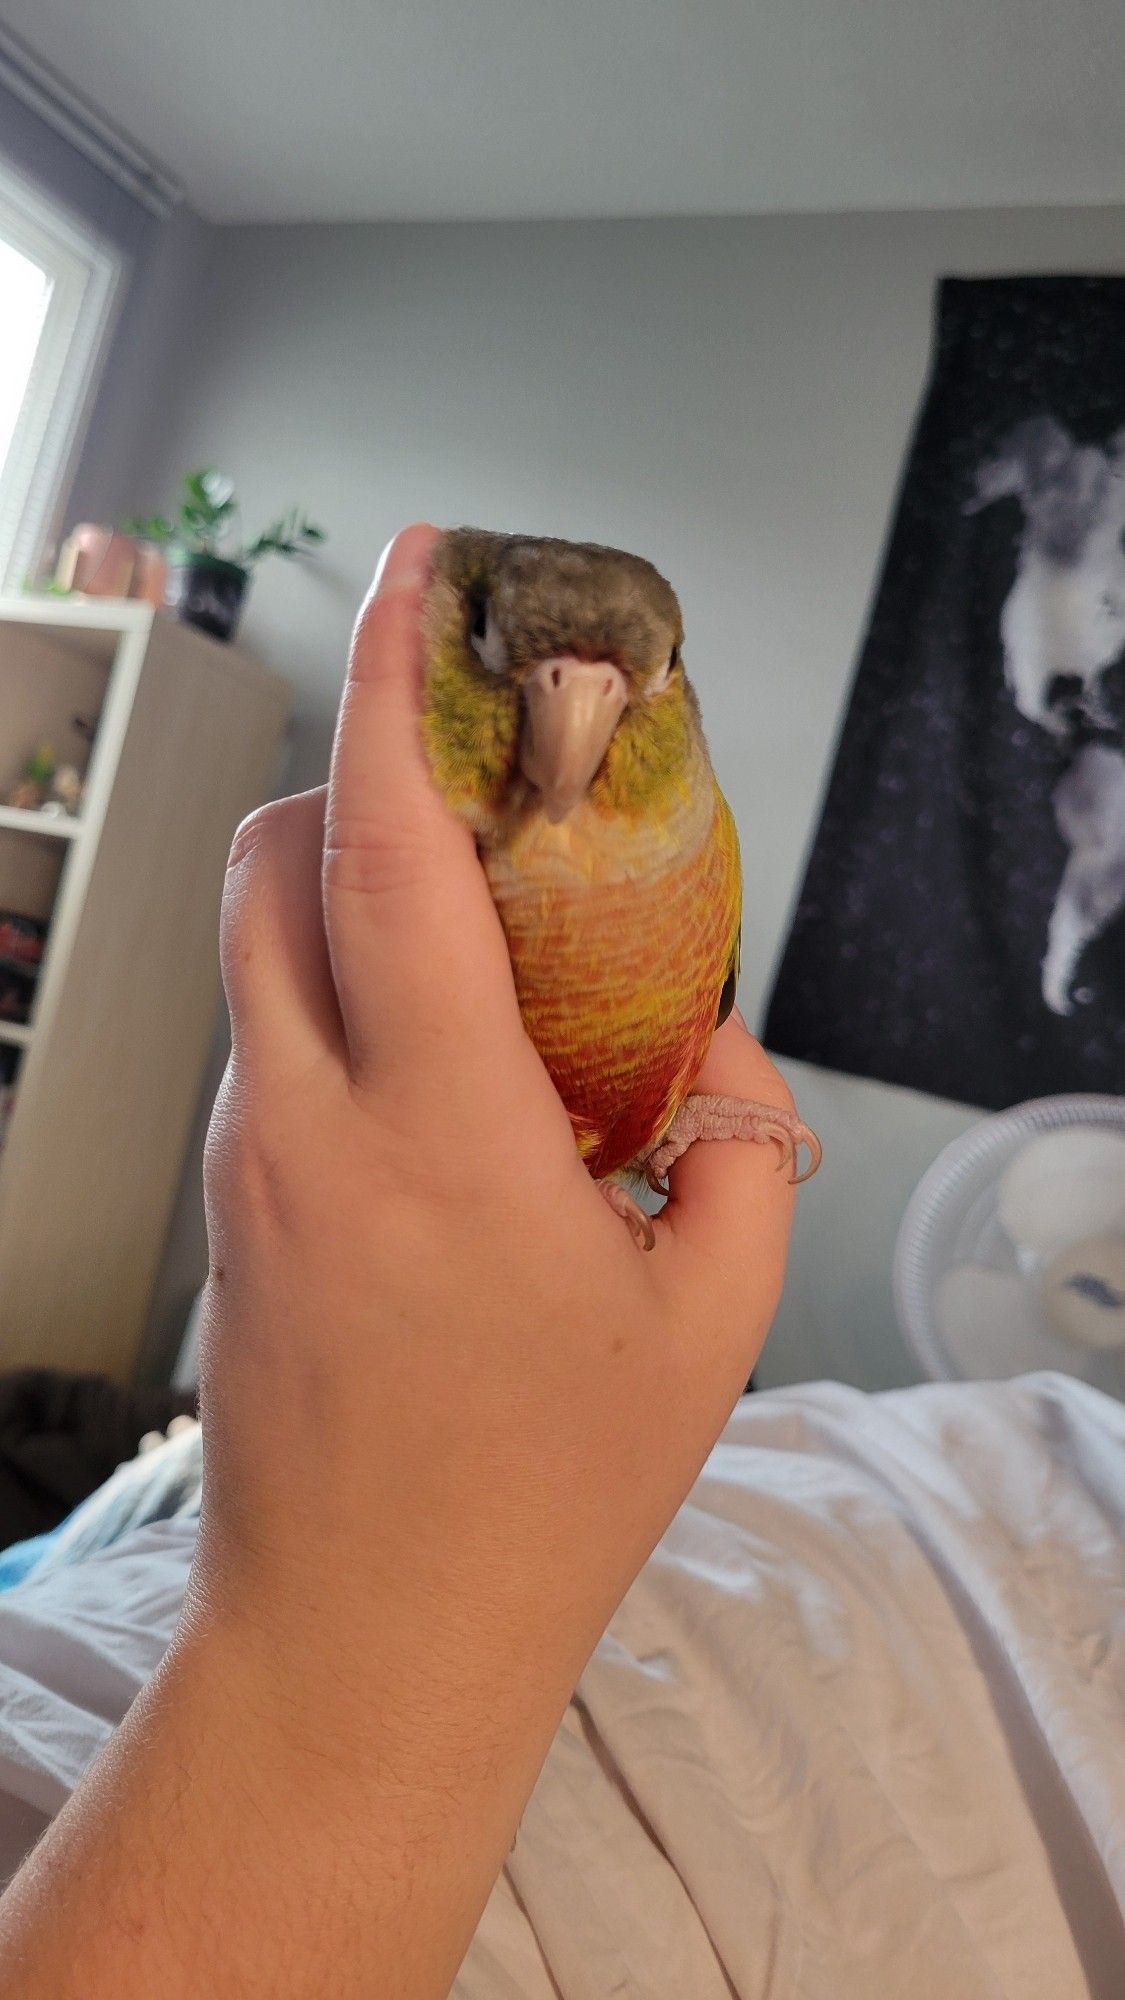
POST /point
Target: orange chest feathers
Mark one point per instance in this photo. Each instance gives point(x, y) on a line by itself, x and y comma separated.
point(621, 941)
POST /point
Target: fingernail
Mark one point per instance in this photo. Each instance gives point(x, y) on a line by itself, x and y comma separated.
point(738, 1015)
point(398, 567)
point(396, 576)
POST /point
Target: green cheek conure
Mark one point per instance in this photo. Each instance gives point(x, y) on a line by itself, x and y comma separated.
point(560, 724)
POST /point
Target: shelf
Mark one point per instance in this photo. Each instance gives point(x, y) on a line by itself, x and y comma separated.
point(45, 825)
point(16, 1033)
point(82, 614)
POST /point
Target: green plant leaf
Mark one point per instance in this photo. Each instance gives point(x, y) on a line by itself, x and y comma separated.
point(204, 523)
point(207, 504)
point(149, 528)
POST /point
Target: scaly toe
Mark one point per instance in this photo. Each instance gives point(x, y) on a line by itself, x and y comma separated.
point(703, 1117)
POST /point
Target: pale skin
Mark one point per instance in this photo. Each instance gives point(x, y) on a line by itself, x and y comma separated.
point(448, 1411)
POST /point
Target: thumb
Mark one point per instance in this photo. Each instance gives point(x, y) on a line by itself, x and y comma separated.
point(418, 955)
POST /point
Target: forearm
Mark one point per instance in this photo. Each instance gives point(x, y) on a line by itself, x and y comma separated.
point(248, 1833)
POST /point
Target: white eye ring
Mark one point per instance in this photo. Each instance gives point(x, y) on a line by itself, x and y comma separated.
point(661, 679)
point(490, 649)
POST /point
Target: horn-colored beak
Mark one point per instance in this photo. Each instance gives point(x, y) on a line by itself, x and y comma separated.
point(572, 708)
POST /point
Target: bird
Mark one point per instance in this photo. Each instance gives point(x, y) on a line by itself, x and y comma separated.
point(560, 726)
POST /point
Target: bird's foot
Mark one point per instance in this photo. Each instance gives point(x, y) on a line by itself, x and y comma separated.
point(733, 1118)
point(622, 1204)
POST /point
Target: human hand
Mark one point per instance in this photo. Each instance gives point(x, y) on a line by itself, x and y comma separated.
point(442, 1391)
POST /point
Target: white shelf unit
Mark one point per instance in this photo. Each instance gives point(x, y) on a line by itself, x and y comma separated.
point(186, 742)
point(41, 826)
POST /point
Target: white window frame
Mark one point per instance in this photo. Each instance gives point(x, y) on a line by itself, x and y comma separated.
point(86, 287)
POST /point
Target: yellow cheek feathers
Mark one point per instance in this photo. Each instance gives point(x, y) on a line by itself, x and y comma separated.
point(653, 753)
point(470, 718)
point(471, 729)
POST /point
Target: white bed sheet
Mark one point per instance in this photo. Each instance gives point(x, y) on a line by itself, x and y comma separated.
point(857, 1732)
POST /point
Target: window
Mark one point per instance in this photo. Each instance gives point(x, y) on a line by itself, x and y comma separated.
point(57, 289)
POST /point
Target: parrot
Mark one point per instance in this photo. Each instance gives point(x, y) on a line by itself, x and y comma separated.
point(560, 726)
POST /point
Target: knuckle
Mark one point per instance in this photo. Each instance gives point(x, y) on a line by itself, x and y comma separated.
point(247, 1167)
point(257, 832)
point(375, 854)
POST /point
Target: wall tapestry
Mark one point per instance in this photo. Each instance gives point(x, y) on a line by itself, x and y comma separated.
point(961, 926)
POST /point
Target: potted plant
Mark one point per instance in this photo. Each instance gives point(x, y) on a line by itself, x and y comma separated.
point(209, 565)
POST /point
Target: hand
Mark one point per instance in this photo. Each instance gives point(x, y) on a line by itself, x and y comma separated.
point(443, 1392)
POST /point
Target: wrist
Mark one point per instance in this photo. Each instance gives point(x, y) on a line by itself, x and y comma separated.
point(222, 1841)
point(374, 1708)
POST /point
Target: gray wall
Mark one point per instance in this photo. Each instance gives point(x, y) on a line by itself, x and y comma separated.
point(730, 397)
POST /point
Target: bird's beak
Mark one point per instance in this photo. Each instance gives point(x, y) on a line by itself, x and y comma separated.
point(571, 709)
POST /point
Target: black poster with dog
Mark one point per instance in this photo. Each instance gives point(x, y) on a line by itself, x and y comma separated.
point(961, 926)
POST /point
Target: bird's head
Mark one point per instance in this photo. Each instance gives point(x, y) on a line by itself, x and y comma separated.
point(553, 675)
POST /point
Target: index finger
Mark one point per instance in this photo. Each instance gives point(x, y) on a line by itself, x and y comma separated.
point(414, 939)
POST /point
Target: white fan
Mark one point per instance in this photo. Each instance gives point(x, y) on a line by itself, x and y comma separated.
point(1011, 1253)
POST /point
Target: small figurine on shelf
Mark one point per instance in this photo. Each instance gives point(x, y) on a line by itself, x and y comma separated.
point(66, 793)
point(34, 782)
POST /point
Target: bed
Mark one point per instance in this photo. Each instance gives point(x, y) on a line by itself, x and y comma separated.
point(858, 1730)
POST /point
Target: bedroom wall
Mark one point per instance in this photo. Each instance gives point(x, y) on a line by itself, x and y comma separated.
point(730, 397)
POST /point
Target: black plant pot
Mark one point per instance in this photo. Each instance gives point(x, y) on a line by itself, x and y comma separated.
point(207, 592)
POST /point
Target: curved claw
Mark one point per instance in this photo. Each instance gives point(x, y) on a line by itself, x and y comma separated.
point(791, 1143)
point(630, 1211)
point(816, 1154)
point(656, 1181)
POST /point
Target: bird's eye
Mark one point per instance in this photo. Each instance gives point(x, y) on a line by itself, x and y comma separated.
point(485, 639)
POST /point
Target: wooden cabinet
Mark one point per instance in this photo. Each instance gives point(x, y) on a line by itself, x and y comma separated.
point(105, 1073)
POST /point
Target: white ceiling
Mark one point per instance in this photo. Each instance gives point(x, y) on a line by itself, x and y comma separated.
point(271, 110)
